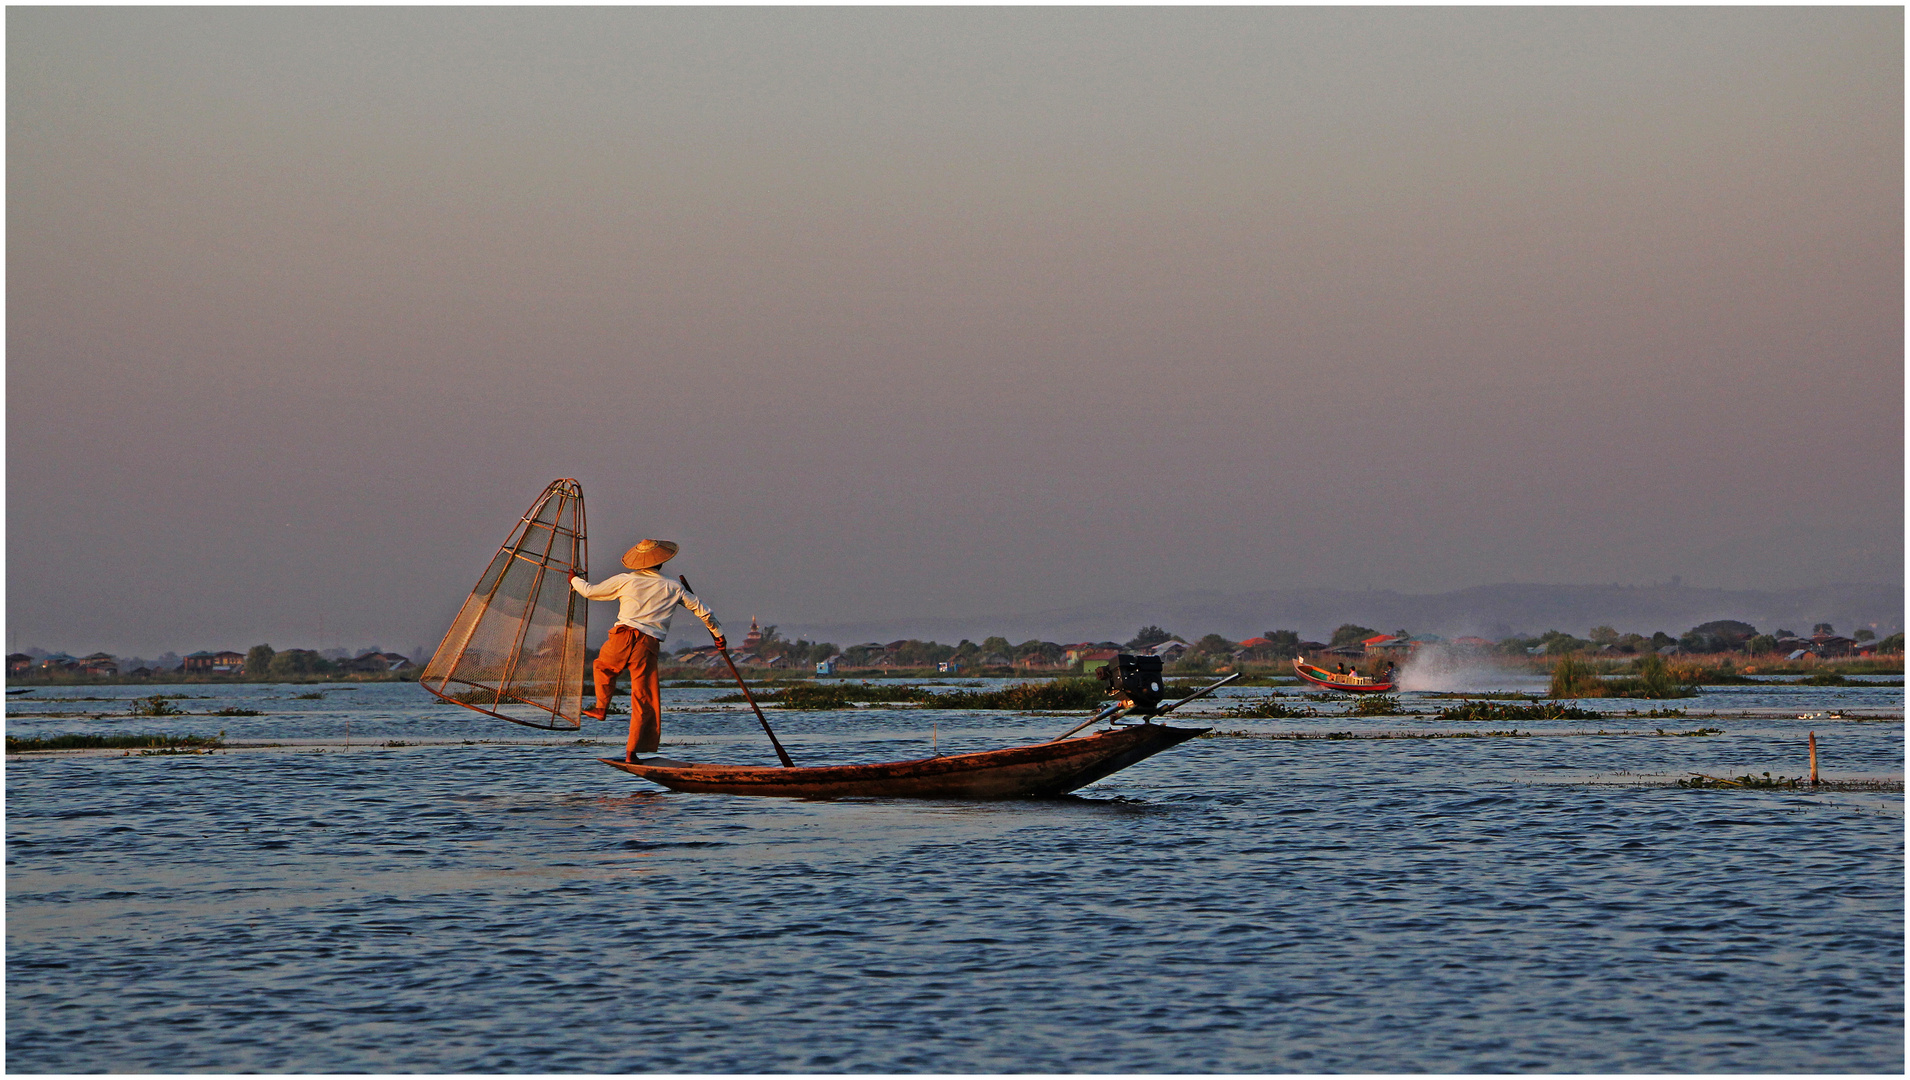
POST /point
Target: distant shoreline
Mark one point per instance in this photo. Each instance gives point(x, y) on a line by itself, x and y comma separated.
point(1887, 664)
point(31, 679)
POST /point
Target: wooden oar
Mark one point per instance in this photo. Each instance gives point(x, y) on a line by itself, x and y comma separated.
point(781, 754)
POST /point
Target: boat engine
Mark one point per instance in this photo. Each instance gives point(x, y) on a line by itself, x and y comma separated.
point(1135, 680)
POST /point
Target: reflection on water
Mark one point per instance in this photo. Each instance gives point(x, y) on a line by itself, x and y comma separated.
point(1231, 905)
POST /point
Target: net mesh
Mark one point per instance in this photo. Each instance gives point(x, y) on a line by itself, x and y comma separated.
point(516, 649)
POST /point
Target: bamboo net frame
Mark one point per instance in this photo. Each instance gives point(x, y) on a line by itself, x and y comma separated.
point(516, 649)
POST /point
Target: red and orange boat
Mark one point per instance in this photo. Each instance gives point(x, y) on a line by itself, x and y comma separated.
point(1345, 682)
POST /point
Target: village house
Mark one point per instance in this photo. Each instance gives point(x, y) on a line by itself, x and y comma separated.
point(18, 663)
point(702, 656)
point(373, 663)
point(1075, 654)
point(1168, 651)
point(224, 662)
point(99, 663)
point(1398, 646)
point(1832, 645)
point(1389, 645)
point(1254, 648)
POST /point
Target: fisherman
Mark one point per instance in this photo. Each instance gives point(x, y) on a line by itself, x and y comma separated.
point(645, 602)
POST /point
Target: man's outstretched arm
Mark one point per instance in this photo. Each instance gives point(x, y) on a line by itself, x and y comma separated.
point(700, 610)
point(603, 590)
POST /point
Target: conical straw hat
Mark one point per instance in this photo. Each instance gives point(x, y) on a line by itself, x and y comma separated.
point(649, 553)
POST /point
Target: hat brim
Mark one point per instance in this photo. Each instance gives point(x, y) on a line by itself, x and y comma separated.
point(639, 558)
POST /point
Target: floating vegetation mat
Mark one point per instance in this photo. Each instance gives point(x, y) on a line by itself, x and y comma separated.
point(1054, 695)
point(1487, 708)
point(754, 684)
point(820, 696)
point(1767, 782)
point(1269, 707)
point(1494, 712)
point(1383, 736)
point(167, 697)
point(1180, 687)
point(114, 742)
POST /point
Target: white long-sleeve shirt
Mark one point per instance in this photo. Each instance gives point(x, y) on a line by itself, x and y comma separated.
point(645, 601)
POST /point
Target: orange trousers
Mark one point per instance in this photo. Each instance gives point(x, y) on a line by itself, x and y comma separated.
point(638, 652)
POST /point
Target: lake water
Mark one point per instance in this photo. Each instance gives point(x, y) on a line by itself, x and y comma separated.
point(1541, 902)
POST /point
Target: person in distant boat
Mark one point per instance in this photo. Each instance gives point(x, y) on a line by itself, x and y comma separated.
point(645, 602)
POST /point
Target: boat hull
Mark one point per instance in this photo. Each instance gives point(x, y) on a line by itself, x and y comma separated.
point(1043, 770)
point(1321, 677)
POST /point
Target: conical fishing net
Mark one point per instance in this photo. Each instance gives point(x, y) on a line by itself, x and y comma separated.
point(516, 649)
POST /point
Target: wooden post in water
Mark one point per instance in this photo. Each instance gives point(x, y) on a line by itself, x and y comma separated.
point(1813, 759)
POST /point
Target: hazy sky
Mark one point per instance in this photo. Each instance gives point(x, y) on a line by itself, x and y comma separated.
point(884, 313)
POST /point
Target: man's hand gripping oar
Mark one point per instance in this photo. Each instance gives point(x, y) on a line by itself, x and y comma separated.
point(723, 647)
point(1116, 711)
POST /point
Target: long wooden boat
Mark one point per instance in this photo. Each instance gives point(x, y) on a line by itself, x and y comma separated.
point(1348, 684)
point(1041, 770)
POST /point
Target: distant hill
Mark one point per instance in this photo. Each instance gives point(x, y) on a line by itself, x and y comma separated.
point(1491, 611)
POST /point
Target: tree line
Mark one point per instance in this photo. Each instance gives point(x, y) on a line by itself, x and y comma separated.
point(1724, 635)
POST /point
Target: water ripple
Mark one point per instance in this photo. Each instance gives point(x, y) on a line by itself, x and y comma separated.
point(1231, 906)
